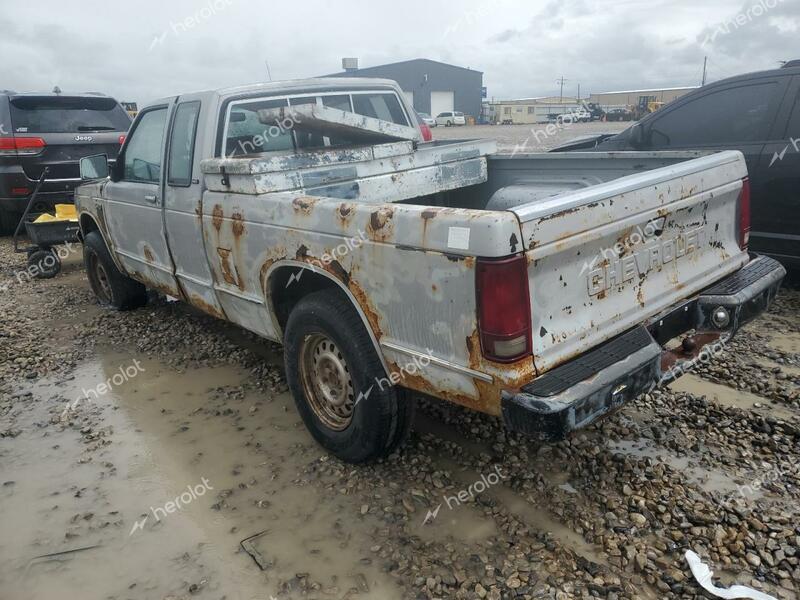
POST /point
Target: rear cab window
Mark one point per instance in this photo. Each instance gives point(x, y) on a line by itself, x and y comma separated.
point(244, 134)
point(67, 114)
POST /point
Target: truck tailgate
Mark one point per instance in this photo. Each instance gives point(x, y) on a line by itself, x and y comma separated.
point(604, 259)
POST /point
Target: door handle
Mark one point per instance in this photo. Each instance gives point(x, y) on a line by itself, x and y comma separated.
point(151, 198)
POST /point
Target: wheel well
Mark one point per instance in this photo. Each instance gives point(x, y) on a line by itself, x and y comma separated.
point(286, 291)
point(87, 225)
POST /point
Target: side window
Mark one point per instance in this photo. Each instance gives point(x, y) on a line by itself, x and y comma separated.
point(181, 144)
point(305, 139)
point(142, 161)
point(728, 116)
point(245, 134)
point(379, 106)
point(341, 101)
point(794, 121)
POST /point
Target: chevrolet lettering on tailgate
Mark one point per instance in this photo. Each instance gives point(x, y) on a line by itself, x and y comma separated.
point(644, 260)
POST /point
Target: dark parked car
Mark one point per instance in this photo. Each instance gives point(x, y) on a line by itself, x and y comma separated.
point(51, 130)
point(758, 114)
point(619, 114)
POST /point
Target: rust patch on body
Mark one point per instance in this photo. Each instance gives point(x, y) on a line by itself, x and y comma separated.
point(381, 226)
point(302, 252)
point(238, 224)
point(345, 212)
point(210, 309)
point(304, 204)
point(148, 254)
point(373, 317)
point(230, 272)
point(217, 217)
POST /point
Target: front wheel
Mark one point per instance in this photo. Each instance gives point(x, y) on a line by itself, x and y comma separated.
point(110, 286)
point(339, 385)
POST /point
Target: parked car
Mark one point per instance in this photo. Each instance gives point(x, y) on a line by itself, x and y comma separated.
point(574, 116)
point(757, 114)
point(448, 119)
point(51, 130)
point(491, 281)
point(619, 114)
point(427, 119)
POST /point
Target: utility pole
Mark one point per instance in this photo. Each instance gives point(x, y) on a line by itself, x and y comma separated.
point(579, 92)
point(705, 70)
point(561, 82)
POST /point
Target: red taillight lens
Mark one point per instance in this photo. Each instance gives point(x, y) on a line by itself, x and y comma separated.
point(504, 308)
point(427, 136)
point(121, 140)
point(21, 145)
point(744, 214)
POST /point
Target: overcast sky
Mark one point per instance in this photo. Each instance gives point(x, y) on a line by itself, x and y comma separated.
point(145, 49)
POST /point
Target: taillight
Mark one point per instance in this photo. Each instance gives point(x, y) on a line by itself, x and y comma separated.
point(121, 140)
point(21, 146)
point(427, 136)
point(504, 308)
point(744, 214)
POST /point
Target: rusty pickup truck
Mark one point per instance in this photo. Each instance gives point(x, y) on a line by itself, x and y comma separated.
point(545, 289)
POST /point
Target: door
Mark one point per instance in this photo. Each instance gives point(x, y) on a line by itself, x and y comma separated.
point(133, 204)
point(183, 192)
point(775, 227)
point(442, 102)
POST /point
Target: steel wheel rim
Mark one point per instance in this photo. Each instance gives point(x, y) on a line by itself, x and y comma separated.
point(99, 277)
point(327, 383)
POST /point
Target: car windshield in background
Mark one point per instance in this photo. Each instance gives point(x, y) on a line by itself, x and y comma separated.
point(65, 114)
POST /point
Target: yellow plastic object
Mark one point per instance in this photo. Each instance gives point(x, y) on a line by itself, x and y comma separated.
point(64, 212)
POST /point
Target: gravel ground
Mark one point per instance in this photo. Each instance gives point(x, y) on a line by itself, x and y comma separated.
point(710, 464)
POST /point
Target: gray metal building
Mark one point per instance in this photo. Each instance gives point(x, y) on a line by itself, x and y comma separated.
point(433, 87)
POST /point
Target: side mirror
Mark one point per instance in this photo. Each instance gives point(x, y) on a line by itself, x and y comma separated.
point(94, 167)
point(636, 135)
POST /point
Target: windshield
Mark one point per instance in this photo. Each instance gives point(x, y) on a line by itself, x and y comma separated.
point(67, 114)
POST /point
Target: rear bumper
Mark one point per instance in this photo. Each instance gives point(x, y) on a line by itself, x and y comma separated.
point(579, 392)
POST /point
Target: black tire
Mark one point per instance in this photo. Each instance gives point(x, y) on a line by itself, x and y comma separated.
point(44, 263)
point(110, 286)
point(381, 416)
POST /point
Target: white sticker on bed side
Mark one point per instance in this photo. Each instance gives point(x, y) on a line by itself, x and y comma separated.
point(458, 238)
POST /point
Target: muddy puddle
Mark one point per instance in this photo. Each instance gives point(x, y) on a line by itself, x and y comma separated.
point(727, 396)
point(709, 480)
point(785, 341)
point(166, 474)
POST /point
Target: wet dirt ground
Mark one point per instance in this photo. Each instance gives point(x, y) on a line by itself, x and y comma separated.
point(138, 450)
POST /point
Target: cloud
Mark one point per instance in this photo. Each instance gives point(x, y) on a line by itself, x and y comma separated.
point(522, 46)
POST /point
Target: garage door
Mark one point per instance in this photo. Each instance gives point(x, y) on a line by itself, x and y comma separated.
point(442, 102)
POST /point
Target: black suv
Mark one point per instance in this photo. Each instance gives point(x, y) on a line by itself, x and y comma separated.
point(51, 130)
point(758, 114)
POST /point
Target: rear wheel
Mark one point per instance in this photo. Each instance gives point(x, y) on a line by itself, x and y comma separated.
point(44, 263)
point(110, 286)
point(338, 382)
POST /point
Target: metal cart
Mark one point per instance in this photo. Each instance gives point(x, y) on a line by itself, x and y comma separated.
point(43, 261)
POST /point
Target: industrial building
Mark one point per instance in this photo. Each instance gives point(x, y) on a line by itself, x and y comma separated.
point(432, 87)
point(628, 98)
point(529, 110)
